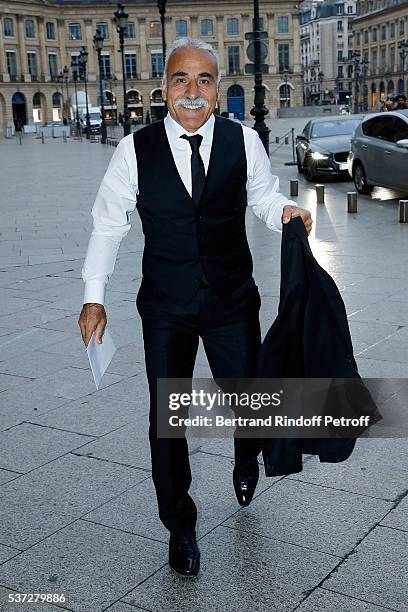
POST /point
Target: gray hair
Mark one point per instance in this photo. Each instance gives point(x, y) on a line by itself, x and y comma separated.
point(180, 43)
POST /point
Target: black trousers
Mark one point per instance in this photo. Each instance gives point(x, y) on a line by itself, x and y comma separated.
point(230, 332)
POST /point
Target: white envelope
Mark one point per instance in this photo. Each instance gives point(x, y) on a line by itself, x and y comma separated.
point(100, 355)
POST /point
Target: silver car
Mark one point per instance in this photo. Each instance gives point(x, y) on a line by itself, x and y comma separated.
point(379, 152)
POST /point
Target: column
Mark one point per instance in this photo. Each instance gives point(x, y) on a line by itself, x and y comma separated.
point(45, 69)
point(23, 51)
point(270, 26)
point(92, 61)
point(221, 44)
point(143, 59)
point(194, 27)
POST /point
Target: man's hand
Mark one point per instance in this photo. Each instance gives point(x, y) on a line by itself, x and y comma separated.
point(92, 319)
point(290, 211)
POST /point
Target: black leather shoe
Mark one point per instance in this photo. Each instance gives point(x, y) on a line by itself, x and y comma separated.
point(245, 478)
point(184, 554)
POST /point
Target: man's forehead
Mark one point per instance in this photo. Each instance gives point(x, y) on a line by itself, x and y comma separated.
point(191, 59)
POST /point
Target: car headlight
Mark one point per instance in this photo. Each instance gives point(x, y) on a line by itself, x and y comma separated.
point(318, 156)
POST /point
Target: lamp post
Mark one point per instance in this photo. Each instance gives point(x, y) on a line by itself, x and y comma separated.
point(74, 66)
point(98, 44)
point(357, 78)
point(259, 110)
point(320, 76)
point(403, 50)
point(83, 58)
point(161, 5)
point(120, 19)
point(285, 78)
point(364, 70)
point(65, 74)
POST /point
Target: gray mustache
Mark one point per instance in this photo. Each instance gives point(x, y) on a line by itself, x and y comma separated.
point(196, 103)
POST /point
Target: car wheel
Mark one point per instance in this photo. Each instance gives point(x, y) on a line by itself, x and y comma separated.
point(309, 170)
point(299, 164)
point(360, 181)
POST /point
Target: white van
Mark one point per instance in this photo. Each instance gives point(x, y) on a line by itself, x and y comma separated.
point(95, 119)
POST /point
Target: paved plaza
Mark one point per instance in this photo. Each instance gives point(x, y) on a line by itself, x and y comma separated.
point(78, 507)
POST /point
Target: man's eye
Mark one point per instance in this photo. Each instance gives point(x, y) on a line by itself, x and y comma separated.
point(205, 81)
point(180, 80)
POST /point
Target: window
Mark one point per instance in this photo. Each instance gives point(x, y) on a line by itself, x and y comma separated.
point(8, 27)
point(402, 28)
point(29, 28)
point(374, 59)
point(181, 27)
point(400, 131)
point(283, 24)
point(340, 9)
point(339, 55)
point(339, 26)
point(358, 39)
point(392, 58)
point(233, 60)
point(283, 53)
point(103, 29)
point(32, 63)
point(207, 27)
point(155, 29)
point(349, 72)
point(366, 37)
point(52, 62)
point(383, 32)
point(379, 127)
point(375, 35)
point(157, 64)
point(74, 31)
point(349, 10)
point(392, 30)
point(340, 72)
point(11, 63)
point(130, 63)
point(130, 30)
point(50, 27)
point(350, 54)
point(383, 57)
point(232, 26)
point(105, 65)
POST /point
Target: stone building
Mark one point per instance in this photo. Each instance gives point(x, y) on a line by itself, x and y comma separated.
point(380, 39)
point(38, 38)
point(326, 49)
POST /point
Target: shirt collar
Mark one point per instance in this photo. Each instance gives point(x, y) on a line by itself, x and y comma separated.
point(175, 130)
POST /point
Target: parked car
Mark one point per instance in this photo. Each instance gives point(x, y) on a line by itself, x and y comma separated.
point(323, 146)
point(379, 152)
point(95, 120)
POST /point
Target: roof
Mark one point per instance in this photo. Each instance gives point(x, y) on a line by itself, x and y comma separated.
point(336, 118)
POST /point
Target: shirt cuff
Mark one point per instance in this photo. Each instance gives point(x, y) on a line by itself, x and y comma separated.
point(94, 292)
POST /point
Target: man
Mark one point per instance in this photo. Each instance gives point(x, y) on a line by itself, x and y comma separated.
point(401, 102)
point(195, 174)
point(388, 105)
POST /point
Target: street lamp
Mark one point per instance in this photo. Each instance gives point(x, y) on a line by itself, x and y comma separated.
point(74, 66)
point(83, 58)
point(259, 110)
point(161, 5)
point(120, 20)
point(98, 44)
point(357, 78)
point(65, 74)
point(403, 47)
point(285, 78)
point(320, 76)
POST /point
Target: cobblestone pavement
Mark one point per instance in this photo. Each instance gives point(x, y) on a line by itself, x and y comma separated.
point(78, 510)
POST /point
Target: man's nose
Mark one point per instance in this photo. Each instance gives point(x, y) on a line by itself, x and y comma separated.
point(192, 90)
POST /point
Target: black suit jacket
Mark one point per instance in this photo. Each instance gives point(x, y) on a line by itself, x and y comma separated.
point(310, 338)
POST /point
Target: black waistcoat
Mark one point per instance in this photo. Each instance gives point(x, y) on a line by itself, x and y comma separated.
point(182, 240)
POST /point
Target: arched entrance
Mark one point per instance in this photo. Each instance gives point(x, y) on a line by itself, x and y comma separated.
point(373, 95)
point(3, 124)
point(236, 101)
point(400, 88)
point(284, 95)
point(19, 109)
point(135, 104)
point(382, 92)
point(39, 108)
point(156, 105)
point(390, 89)
point(57, 106)
point(110, 107)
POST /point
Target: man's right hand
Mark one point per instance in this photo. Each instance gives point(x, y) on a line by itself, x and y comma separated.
point(92, 319)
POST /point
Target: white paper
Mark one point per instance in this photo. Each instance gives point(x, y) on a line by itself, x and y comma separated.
point(100, 355)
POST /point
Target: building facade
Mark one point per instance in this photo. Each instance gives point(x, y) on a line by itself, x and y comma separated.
point(380, 40)
point(38, 38)
point(326, 50)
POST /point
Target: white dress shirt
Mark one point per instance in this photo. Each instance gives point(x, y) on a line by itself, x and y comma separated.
point(117, 195)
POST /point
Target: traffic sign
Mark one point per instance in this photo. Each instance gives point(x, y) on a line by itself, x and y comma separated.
point(250, 68)
point(253, 35)
point(263, 51)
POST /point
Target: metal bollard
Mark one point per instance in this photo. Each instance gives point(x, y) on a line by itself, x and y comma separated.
point(20, 138)
point(42, 137)
point(351, 202)
point(276, 139)
point(286, 139)
point(64, 136)
point(403, 211)
point(319, 194)
point(294, 187)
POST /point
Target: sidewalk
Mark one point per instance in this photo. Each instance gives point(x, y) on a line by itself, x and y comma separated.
point(78, 508)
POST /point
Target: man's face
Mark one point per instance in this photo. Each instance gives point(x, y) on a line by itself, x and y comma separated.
point(191, 87)
point(400, 101)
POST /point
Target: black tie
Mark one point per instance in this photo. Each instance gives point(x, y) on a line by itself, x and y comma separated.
point(197, 167)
